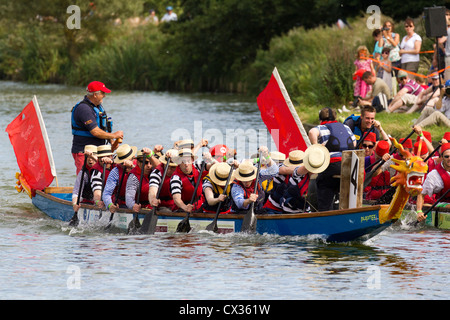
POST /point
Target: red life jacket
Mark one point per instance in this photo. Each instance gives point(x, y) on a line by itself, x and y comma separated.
point(379, 184)
point(165, 195)
point(143, 197)
point(445, 175)
point(99, 168)
point(187, 188)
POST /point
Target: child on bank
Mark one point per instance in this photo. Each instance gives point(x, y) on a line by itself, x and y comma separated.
point(362, 63)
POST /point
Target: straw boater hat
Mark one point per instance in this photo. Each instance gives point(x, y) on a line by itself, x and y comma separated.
point(163, 159)
point(183, 153)
point(125, 152)
point(246, 172)
point(104, 151)
point(295, 158)
point(277, 156)
point(317, 158)
point(184, 144)
point(219, 173)
point(90, 148)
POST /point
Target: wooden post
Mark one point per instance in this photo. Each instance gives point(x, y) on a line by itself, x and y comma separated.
point(352, 179)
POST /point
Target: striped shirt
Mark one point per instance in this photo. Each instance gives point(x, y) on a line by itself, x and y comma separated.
point(176, 186)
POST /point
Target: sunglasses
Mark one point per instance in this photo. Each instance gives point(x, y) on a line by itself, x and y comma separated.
point(370, 146)
point(446, 157)
point(146, 162)
point(385, 52)
point(409, 26)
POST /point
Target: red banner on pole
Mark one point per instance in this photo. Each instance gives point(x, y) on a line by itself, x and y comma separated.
point(281, 118)
point(27, 134)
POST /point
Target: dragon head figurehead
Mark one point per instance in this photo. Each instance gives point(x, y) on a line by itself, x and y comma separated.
point(411, 170)
point(408, 180)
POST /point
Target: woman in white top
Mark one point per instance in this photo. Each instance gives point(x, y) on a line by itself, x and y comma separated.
point(410, 48)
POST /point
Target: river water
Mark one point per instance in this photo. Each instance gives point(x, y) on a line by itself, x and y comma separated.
point(43, 259)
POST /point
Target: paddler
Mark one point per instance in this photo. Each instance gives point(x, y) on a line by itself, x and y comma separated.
point(132, 193)
point(213, 188)
point(183, 181)
point(437, 181)
point(87, 196)
point(359, 125)
point(105, 160)
point(244, 191)
point(90, 123)
point(118, 178)
point(289, 185)
point(165, 201)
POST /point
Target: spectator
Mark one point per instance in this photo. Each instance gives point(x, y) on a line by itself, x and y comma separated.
point(407, 95)
point(443, 44)
point(410, 48)
point(391, 41)
point(441, 111)
point(360, 124)
point(362, 63)
point(169, 15)
point(379, 95)
point(152, 18)
point(427, 97)
point(378, 38)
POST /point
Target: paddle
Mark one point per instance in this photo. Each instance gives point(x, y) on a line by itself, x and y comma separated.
point(116, 200)
point(213, 225)
point(184, 225)
point(432, 153)
point(365, 135)
point(150, 219)
point(369, 175)
point(434, 205)
point(249, 221)
point(74, 221)
point(135, 224)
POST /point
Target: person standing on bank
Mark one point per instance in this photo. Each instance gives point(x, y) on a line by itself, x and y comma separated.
point(90, 123)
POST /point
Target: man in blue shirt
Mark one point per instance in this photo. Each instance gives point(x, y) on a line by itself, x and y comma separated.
point(90, 124)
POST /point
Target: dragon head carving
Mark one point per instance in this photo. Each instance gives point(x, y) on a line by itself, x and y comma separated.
point(411, 171)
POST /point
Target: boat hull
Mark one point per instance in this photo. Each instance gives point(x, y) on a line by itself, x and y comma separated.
point(439, 217)
point(334, 226)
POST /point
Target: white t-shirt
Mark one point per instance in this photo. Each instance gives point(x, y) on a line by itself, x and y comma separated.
point(447, 44)
point(409, 45)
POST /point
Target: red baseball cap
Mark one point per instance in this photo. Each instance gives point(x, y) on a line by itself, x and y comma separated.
point(219, 150)
point(97, 86)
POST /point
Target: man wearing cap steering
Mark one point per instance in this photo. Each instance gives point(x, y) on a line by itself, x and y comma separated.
point(90, 124)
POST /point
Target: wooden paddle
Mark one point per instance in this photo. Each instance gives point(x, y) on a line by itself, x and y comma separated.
point(135, 224)
point(365, 135)
point(249, 221)
point(74, 221)
point(433, 206)
point(432, 153)
point(184, 225)
point(369, 175)
point(151, 219)
point(213, 225)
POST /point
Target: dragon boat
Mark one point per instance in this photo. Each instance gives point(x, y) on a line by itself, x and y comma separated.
point(352, 221)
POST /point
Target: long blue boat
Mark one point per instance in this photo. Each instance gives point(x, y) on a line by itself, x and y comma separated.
point(332, 226)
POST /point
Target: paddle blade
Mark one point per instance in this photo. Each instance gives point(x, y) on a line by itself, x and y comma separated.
point(184, 225)
point(74, 221)
point(149, 224)
point(212, 227)
point(249, 222)
point(134, 225)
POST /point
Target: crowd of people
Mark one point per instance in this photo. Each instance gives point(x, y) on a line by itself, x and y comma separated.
point(388, 78)
point(111, 175)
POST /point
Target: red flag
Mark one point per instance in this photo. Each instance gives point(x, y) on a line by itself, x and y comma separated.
point(280, 117)
point(30, 142)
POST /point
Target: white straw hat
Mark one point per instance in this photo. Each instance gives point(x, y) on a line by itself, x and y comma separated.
point(295, 158)
point(104, 150)
point(219, 173)
point(317, 158)
point(246, 171)
point(125, 152)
